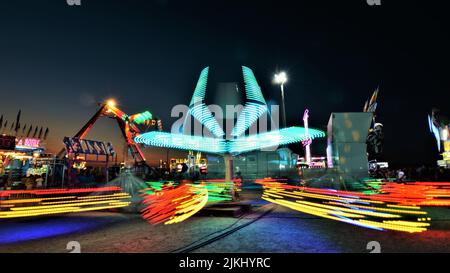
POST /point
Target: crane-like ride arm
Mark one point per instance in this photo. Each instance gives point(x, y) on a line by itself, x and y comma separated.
point(127, 125)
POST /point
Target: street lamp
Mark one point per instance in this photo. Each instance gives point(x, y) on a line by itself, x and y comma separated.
point(281, 79)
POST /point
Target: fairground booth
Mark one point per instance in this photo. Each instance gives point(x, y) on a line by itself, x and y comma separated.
point(89, 162)
point(22, 158)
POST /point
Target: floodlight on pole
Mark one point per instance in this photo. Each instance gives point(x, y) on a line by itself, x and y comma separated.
point(281, 79)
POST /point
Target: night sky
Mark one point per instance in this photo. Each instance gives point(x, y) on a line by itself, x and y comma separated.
point(58, 61)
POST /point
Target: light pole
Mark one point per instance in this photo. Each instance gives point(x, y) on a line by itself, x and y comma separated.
point(281, 79)
point(307, 142)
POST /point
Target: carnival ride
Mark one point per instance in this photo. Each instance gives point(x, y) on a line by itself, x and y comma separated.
point(194, 196)
point(238, 142)
point(130, 127)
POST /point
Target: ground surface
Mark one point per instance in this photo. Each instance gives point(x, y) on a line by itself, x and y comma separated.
point(282, 230)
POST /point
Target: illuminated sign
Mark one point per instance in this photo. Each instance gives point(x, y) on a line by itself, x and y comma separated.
point(88, 147)
point(29, 142)
point(7, 142)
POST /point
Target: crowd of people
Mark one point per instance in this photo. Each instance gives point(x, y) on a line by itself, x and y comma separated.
point(89, 177)
point(94, 177)
point(421, 173)
point(28, 182)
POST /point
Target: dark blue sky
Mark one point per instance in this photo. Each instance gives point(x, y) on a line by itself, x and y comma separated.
point(56, 61)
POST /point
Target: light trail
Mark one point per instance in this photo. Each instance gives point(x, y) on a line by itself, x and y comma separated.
point(365, 210)
point(29, 203)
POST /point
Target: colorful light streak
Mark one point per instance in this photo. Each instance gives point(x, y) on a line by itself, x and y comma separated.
point(348, 207)
point(270, 139)
point(170, 203)
point(239, 145)
point(409, 194)
point(174, 205)
point(218, 189)
point(415, 193)
point(183, 142)
point(28, 203)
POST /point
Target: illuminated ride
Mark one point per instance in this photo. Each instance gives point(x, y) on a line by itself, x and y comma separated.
point(176, 204)
point(129, 127)
point(238, 143)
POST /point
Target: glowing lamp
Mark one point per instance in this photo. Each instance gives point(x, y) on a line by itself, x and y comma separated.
point(280, 78)
point(111, 103)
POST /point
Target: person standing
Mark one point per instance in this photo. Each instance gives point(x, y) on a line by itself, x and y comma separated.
point(39, 182)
